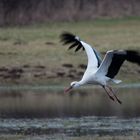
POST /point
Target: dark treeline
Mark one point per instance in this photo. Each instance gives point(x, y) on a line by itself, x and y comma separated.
point(30, 11)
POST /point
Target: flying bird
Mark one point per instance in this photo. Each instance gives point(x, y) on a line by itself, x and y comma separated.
point(98, 71)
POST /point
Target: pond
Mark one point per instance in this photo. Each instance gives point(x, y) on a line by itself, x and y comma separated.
point(25, 102)
point(83, 112)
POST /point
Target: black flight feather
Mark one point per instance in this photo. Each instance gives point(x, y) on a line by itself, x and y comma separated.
point(133, 56)
point(115, 65)
point(97, 56)
point(73, 45)
point(68, 38)
point(119, 57)
point(78, 48)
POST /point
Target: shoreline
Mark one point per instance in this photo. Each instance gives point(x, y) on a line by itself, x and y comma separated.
point(59, 87)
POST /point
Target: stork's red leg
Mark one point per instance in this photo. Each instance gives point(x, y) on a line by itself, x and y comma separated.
point(114, 94)
point(111, 97)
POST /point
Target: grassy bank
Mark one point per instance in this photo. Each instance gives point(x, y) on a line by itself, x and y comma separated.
point(34, 54)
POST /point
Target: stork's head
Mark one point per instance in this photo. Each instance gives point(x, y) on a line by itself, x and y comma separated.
point(74, 84)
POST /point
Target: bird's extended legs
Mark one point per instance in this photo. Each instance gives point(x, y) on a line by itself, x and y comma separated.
point(110, 91)
point(110, 96)
point(114, 94)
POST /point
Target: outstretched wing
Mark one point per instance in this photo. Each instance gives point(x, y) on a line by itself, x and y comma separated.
point(94, 59)
point(68, 38)
point(113, 60)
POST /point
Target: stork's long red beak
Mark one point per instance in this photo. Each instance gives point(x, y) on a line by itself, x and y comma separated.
point(67, 89)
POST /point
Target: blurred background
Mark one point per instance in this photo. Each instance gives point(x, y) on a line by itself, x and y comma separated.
point(15, 12)
point(35, 68)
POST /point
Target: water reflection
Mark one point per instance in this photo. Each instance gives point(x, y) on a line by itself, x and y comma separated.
point(54, 103)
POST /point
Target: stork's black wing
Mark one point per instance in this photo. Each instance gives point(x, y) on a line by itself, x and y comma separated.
point(114, 60)
point(69, 38)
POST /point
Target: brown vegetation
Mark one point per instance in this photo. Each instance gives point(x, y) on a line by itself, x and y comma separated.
point(19, 74)
point(25, 12)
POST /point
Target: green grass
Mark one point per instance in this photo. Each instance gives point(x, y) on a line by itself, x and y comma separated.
point(40, 44)
point(29, 41)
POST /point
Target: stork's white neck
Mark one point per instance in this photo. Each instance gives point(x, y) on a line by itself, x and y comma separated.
point(81, 82)
point(77, 84)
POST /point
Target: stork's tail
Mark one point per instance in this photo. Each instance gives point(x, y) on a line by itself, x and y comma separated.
point(68, 38)
point(116, 81)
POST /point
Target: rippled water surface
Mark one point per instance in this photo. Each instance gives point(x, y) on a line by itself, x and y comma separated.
point(71, 126)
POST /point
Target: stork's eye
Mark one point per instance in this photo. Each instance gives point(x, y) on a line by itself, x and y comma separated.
point(73, 84)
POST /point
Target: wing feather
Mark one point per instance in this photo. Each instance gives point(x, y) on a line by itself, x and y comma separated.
point(113, 61)
point(94, 60)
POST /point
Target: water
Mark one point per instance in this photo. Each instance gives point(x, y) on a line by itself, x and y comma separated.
point(71, 126)
point(48, 103)
point(51, 113)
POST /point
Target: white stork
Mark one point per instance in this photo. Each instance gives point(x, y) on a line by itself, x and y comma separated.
point(100, 72)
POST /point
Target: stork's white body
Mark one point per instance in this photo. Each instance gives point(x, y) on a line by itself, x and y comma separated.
point(100, 72)
point(93, 74)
